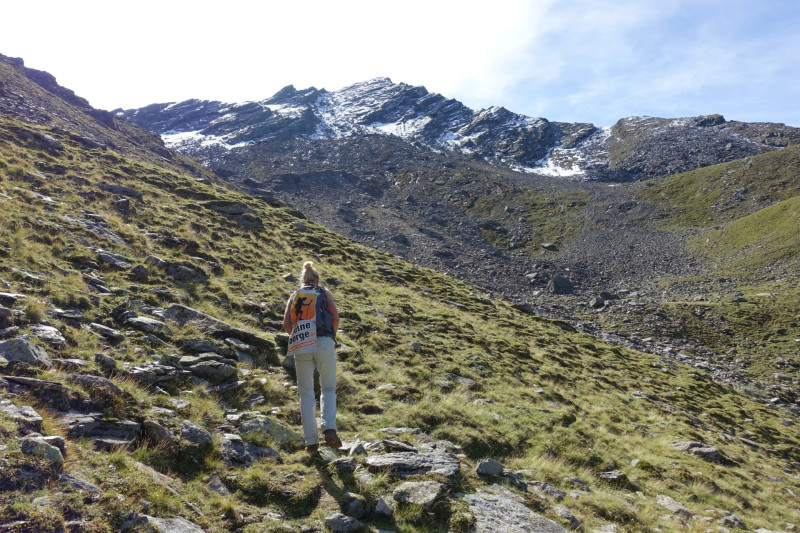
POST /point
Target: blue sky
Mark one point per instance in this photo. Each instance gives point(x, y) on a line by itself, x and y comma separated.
point(568, 60)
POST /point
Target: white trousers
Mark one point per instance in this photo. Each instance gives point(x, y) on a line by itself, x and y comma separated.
point(324, 360)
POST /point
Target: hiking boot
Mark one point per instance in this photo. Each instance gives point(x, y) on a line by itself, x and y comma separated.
point(332, 439)
point(312, 448)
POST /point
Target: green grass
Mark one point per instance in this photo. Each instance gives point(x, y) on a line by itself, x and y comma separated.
point(768, 238)
point(552, 403)
point(722, 193)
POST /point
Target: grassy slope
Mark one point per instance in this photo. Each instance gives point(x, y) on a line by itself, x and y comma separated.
point(746, 217)
point(549, 401)
point(721, 193)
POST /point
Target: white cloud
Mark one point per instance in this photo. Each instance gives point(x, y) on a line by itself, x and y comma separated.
point(579, 60)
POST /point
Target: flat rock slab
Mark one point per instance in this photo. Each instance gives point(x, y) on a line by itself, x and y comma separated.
point(341, 522)
point(422, 493)
point(236, 452)
point(281, 434)
point(405, 464)
point(169, 525)
point(498, 510)
point(149, 325)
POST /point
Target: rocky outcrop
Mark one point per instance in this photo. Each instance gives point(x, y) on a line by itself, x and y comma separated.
point(23, 350)
point(498, 510)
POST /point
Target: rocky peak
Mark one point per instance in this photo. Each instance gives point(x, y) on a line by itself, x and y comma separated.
point(635, 148)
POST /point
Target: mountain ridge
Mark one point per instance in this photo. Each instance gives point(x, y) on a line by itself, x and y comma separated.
point(634, 148)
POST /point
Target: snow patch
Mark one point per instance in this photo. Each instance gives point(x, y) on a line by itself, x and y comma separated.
point(195, 139)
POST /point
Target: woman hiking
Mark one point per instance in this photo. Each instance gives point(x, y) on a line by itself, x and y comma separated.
point(311, 320)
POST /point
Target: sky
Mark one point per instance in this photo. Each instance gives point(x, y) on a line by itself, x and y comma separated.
point(564, 60)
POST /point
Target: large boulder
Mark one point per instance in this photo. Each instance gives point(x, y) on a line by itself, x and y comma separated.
point(21, 349)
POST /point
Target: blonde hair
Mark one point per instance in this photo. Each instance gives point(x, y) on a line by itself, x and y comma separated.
point(310, 274)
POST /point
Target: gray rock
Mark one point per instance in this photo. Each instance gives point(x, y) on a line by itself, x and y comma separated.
point(10, 331)
point(140, 273)
point(49, 335)
point(732, 521)
point(567, 515)
point(615, 476)
point(195, 434)
point(106, 332)
point(70, 364)
point(392, 445)
point(153, 373)
point(341, 522)
point(560, 285)
point(121, 190)
point(97, 386)
point(114, 260)
point(199, 345)
point(281, 434)
point(26, 418)
point(156, 261)
point(183, 316)
point(122, 205)
point(169, 525)
point(213, 370)
point(288, 362)
point(489, 467)
point(186, 273)
point(21, 349)
point(35, 446)
point(597, 302)
point(406, 464)
point(422, 493)
point(216, 484)
point(383, 508)
point(79, 484)
point(548, 490)
point(704, 451)
point(55, 394)
point(357, 449)
point(106, 362)
point(149, 325)
point(344, 464)
point(498, 510)
point(237, 452)
point(355, 506)
point(8, 299)
point(673, 506)
point(158, 434)
point(578, 483)
point(105, 434)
